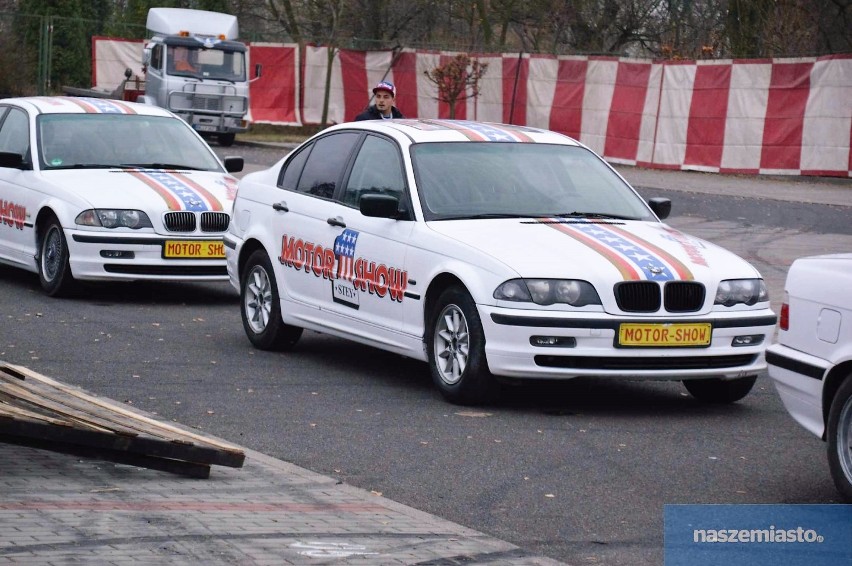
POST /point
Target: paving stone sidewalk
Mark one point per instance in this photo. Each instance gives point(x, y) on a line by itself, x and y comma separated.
point(60, 509)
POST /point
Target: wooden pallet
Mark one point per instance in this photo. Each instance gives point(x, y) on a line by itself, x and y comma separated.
point(40, 412)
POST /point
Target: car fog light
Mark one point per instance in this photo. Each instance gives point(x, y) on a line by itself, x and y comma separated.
point(551, 341)
point(117, 254)
point(747, 340)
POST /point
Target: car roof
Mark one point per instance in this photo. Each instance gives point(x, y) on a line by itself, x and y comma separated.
point(425, 131)
point(84, 105)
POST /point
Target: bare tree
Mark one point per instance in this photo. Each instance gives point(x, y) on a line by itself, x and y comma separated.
point(457, 79)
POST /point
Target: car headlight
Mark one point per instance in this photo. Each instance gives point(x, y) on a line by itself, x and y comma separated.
point(548, 291)
point(114, 218)
point(746, 291)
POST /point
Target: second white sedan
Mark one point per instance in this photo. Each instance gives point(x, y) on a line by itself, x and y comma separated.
point(490, 251)
point(100, 190)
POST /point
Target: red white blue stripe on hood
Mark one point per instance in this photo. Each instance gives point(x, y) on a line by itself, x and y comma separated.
point(634, 257)
point(178, 190)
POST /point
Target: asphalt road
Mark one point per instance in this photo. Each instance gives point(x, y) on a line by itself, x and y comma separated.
point(578, 471)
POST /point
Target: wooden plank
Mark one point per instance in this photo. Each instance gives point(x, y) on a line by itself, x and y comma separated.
point(105, 441)
point(13, 411)
point(190, 469)
point(49, 402)
point(41, 412)
point(162, 428)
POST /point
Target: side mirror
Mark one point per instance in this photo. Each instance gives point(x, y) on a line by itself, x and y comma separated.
point(11, 160)
point(661, 206)
point(379, 205)
point(234, 164)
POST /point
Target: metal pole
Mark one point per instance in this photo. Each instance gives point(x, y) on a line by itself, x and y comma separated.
point(515, 87)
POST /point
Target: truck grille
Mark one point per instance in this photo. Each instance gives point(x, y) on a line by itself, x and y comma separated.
point(211, 103)
point(646, 296)
point(188, 221)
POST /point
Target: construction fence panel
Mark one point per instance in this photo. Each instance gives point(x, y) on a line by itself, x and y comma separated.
point(762, 116)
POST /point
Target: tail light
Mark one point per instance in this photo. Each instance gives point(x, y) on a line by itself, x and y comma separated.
point(784, 319)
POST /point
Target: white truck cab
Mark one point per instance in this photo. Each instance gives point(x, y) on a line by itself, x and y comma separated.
point(197, 69)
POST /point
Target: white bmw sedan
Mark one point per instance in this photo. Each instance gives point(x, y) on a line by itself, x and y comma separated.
point(491, 252)
point(97, 189)
point(811, 361)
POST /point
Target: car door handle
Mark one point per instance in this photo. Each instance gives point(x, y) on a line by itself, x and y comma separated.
point(281, 206)
point(337, 221)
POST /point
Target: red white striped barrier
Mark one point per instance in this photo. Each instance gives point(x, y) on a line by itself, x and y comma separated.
point(756, 116)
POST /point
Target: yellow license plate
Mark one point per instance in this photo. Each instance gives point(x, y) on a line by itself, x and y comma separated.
point(189, 249)
point(669, 335)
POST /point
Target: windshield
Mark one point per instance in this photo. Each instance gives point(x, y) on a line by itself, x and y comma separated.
point(198, 62)
point(492, 179)
point(82, 141)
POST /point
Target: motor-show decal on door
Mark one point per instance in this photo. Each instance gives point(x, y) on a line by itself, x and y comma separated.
point(349, 274)
point(11, 214)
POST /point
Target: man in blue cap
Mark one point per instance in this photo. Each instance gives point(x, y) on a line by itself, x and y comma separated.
point(384, 94)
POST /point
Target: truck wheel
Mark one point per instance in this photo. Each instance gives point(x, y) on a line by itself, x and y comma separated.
point(226, 140)
point(456, 346)
point(720, 390)
point(840, 439)
point(54, 268)
point(261, 307)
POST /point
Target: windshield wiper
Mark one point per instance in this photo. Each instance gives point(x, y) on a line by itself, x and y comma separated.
point(578, 214)
point(159, 166)
point(85, 166)
point(487, 215)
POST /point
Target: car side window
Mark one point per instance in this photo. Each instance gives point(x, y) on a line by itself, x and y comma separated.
point(377, 170)
point(325, 164)
point(15, 133)
point(293, 169)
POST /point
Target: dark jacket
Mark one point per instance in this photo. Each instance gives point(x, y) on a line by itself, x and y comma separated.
point(372, 114)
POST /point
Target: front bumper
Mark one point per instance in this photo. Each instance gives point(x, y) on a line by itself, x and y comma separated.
point(138, 257)
point(590, 346)
point(799, 378)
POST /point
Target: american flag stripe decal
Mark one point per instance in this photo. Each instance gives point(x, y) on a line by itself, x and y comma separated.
point(178, 194)
point(208, 196)
point(634, 257)
point(170, 199)
point(683, 272)
point(344, 249)
point(628, 272)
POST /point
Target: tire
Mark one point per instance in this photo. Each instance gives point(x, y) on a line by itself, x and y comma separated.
point(54, 266)
point(456, 346)
point(840, 439)
point(226, 140)
point(720, 390)
point(261, 307)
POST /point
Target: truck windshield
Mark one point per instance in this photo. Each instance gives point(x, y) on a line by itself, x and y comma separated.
point(190, 61)
point(95, 141)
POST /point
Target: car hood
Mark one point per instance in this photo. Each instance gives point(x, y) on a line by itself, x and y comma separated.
point(597, 251)
point(151, 190)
